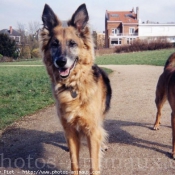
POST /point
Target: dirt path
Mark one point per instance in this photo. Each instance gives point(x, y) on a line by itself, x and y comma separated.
point(37, 145)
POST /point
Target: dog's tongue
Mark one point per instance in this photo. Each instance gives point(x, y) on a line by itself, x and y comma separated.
point(64, 72)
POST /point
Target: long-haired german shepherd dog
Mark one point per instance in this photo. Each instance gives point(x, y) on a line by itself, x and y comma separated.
point(81, 89)
point(166, 90)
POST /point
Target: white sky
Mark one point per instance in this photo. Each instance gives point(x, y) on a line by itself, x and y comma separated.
point(25, 11)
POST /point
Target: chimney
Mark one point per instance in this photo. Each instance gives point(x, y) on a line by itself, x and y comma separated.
point(10, 29)
point(137, 13)
point(132, 10)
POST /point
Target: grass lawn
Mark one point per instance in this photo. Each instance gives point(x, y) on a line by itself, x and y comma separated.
point(157, 58)
point(24, 90)
point(24, 62)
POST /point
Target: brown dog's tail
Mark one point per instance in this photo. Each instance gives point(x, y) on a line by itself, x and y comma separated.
point(170, 63)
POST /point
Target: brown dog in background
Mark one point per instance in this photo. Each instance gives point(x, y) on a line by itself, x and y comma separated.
point(166, 90)
point(81, 89)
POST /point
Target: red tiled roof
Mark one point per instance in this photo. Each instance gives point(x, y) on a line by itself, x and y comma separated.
point(124, 16)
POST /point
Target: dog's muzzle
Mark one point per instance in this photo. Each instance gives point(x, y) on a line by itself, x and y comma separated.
point(60, 62)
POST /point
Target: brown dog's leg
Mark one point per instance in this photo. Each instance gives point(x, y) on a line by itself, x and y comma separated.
point(173, 133)
point(73, 142)
point(94, 143)
point(160, 100)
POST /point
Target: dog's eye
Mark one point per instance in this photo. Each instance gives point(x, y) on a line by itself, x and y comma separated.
point(55, 43)
point(72, 43)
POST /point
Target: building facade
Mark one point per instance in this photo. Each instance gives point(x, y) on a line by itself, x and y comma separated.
point(155, 31)
point(121, 27)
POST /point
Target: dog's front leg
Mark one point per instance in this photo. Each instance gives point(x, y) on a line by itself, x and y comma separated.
point(173, 133)
point(160, 100)
point(94, 143)
point(73, 142)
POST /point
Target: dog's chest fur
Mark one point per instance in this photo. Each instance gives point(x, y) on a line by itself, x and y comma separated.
point(75, 103)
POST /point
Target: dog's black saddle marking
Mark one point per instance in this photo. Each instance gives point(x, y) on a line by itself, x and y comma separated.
point(97, 71)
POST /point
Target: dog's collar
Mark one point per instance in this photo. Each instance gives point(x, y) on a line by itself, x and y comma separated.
point(64, 88)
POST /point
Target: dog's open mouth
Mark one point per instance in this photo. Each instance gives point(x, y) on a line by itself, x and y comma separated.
point(65, 72)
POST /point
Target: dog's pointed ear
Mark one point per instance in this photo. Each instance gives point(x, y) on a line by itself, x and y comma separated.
point(49, 18)
point(79, 18)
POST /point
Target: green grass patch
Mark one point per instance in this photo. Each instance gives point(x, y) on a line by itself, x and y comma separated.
point(24, 90)
point(157, 58)
point(24, 62)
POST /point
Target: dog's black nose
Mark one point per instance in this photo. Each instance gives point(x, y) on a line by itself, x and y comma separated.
point(60, 61)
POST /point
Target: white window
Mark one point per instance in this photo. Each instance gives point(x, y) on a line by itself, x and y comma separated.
point(131, 30)
point(113, 31)
point(116, 31)
point(114, 15)
point(130, 40)
point(17, 38)
point(116, 41)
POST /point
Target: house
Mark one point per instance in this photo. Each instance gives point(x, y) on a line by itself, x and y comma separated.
point(121, 27)
point(12, 34)
point(154, 31)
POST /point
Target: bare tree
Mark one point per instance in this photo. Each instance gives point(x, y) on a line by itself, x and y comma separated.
point(33, 27)
point(29, 38)
point(24, 50)
point(22, 31)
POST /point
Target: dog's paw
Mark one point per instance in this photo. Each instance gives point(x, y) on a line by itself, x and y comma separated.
point(156, 127)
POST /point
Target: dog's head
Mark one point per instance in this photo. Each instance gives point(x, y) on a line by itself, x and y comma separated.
point(66, 46)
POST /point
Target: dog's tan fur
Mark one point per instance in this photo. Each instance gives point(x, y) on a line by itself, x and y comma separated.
point(166, 91)
point(83, 115)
